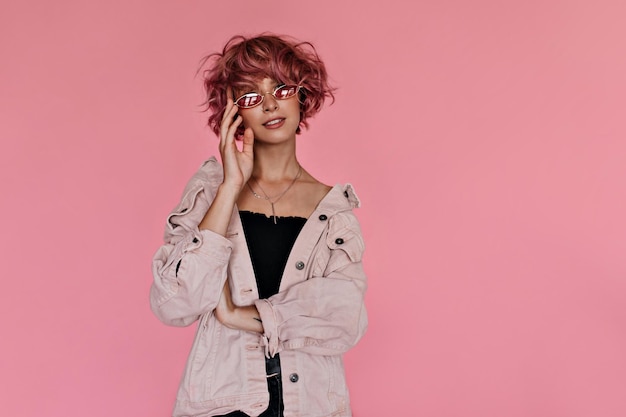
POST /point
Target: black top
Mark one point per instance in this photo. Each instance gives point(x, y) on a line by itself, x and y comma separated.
point(269, 245)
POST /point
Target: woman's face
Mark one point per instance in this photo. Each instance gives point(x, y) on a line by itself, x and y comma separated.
point(272, 121)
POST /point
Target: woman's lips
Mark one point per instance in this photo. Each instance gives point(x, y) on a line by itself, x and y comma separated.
point(274, 123)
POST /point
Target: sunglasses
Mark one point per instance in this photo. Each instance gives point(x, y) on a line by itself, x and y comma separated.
point(281, 92)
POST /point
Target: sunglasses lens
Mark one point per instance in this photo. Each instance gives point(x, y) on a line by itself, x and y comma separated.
point(249, 100)
point(254, 99)
point(286, 91)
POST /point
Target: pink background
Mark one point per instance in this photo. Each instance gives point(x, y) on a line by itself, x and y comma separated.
point(485, 138)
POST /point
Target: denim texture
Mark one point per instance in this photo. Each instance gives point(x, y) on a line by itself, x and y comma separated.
point(317, 315)
point(274, 387)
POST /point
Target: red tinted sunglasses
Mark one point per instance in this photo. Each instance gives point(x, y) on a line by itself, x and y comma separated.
point(281, 92)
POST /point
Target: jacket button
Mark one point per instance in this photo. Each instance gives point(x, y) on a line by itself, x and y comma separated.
point(300, 265)
point(195, 240)
point(323, 217)
point(339, 241)
point(294, 377)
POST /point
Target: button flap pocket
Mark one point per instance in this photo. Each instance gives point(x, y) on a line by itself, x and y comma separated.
point(347, 240)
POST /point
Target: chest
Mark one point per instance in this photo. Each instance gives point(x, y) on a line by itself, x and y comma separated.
point(269, 241)
point(305, 258)
point(301, 200)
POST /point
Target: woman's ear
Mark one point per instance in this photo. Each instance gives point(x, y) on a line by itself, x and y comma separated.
point(239, 133)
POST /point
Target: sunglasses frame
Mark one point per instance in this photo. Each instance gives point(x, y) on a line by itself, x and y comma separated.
point(273, 93)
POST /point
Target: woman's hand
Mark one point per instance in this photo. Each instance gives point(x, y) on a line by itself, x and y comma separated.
point(237, 164)
point(237, 171)
point(239, 318)
point(225, 307)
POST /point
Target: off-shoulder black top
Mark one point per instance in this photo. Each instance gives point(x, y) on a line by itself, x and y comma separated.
point(269, 245)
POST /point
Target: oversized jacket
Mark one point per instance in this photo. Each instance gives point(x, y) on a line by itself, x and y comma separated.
point(317, 315)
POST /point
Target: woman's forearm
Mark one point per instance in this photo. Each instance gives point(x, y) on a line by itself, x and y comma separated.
point(219, 214)
point(241, 318)
point(245, 318)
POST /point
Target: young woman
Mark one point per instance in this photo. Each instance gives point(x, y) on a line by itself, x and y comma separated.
point(265, 256)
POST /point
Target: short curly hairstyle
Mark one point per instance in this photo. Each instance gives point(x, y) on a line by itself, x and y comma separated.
point(246, 60)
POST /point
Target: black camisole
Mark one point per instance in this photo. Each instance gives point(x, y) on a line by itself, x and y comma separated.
point(269, 245)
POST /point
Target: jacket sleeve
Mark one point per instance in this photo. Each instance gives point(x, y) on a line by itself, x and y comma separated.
point(190, 269)
point(189, 277)
point(325, 314)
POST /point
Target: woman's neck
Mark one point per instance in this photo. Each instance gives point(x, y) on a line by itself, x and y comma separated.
point(274, 163)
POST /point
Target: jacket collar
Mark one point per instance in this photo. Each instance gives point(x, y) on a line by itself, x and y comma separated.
point(339, 198)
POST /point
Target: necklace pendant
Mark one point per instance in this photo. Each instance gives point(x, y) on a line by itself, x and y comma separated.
point(277, 197)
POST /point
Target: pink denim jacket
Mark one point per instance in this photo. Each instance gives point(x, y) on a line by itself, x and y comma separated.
point(317, 315)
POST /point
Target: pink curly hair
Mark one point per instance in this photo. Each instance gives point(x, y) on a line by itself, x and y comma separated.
point(245, 61)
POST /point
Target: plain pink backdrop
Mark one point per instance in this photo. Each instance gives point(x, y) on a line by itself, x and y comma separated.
point(487, 140)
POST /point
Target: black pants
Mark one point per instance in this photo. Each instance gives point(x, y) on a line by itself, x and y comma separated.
point(275, 388)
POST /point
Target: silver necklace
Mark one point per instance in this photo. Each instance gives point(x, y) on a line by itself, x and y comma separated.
point(273, 200)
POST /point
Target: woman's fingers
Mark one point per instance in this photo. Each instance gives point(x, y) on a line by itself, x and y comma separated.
point(229, 106)
point(232, 129)
point(237, 164)
point(230, 110)
point(248, 141)
point(227, 140)
point(227, 120)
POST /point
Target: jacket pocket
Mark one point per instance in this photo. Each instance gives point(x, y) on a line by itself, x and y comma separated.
point(324, 392)
point(196, 386)
point(346, 246)
point(347, 240)
point(338, 389)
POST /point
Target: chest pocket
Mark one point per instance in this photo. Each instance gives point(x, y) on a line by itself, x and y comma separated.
point(349, 241)
point(345, 246)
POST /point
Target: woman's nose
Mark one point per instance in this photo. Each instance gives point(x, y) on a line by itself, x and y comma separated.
point(269, 102)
